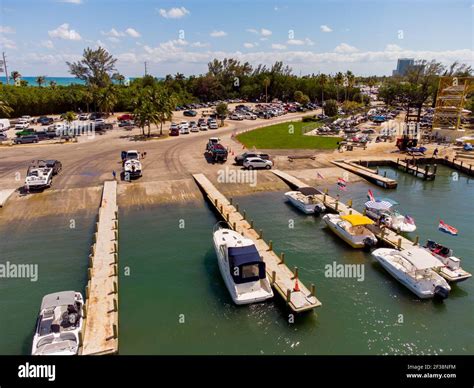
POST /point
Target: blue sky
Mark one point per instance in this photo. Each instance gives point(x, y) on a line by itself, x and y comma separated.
point(366, 37)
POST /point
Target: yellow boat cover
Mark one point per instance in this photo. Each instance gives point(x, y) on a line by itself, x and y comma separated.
point(357, 220)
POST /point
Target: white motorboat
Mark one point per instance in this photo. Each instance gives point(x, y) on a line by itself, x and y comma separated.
point(415, 269)
point(352, 229)
point(306, 200)
point(451, 270)
point(241, 266)
point(382, 212)
point(132, 167)
point(39, 176)
point(59, 324)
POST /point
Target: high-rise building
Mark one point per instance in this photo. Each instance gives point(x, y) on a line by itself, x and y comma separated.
point(403, 65)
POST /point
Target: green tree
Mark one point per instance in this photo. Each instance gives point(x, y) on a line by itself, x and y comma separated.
point(330, 108)
point(69, 117)
point(338, 80)
point(119, 78)
point(107, 99)
point(95, 67)
point(322, 80)
point(222, 110)
point(266, 84)
point(41, 80)
point(5, 109)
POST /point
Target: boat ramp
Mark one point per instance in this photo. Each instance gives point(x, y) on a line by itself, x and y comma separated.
point(4, 195)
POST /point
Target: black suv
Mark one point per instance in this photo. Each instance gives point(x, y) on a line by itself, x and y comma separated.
point(239, 159)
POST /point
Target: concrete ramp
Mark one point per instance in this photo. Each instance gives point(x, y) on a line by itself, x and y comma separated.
point(4, 195)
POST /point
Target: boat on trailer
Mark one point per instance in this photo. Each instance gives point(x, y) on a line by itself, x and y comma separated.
point(241, 266)
point(58, 325)
point(415, 269)
point(352, 229)
point(132, 166)
point(39, 176)
point(306, 199)
point(451, 270)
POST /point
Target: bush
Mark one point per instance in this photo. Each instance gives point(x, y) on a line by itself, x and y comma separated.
point(330, 108)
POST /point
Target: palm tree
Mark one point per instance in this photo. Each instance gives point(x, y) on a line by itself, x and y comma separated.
point(350, 80)
point(15, 76)
point(69, 117)
point(266, 83)
point(5, 109)
point(145, 109)
point(52, 84)
point(323, 79)
point(40, 80)
point(222, 110)
point(119, 78)
point(107, 99)
point(164, 104)
point(338, 80)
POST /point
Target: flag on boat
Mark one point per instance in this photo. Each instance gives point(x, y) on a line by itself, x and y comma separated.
point(409, 220)
point(443, 227)
point(319, 175)
point(370, 195)
point(341, 184)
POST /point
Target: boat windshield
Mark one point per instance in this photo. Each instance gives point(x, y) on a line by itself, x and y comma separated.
point(245, 264)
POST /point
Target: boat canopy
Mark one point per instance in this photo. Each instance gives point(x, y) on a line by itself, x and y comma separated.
point(63, 298)
point(389, 200)
point(421, 259)
point(378, 205)
point(309, 191)
point(250, 266)
point(357, 220)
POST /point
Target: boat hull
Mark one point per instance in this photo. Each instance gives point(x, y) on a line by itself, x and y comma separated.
point(344, 235)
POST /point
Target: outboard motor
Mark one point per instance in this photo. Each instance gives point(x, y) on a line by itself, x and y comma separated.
point(318, 209)
point(369, 243)
point(441, 292)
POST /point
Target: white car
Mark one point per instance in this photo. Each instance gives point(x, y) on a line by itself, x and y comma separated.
point(22, 124)
point(203, 127)
point(251, 163)
point(250, 116)
point(27, 118)
point(184, 124)
point(213, 125)
point(194, 128)
point(235, 116)
point(184, 131)
point(99, 121)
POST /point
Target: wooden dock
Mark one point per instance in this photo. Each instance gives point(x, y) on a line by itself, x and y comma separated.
point(4, 195)
point(281, 277)
point(100, 333)
point(387, 236)
point(410, 166)
point(367, 173)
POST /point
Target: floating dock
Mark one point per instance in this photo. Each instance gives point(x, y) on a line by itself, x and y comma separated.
point(281, 277)
point(100, 333)
point(367, 173)
point(4, 195)
point(387, 236)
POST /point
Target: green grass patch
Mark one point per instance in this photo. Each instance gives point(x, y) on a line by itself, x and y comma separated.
point(287, 136)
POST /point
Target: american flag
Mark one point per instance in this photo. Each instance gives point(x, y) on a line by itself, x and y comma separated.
point(341, 184)
point(447, 228)
point(370, 195)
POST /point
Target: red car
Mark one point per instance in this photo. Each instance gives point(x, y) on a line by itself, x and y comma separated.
point(174, 131)
point(126, 116)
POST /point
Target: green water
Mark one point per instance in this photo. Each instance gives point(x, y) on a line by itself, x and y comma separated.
point(173, 300)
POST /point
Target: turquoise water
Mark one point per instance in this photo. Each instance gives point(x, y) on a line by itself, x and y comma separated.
point(174, 300)
point(60, 81)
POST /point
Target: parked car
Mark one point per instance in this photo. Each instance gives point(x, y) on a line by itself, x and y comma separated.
point(190, 113)
point(183, 124)
point(249, 116)
point(4, 124)
point(236, 116)
point(203, 127)
point(56, 165)
point(239, 159)
point(126, 123)
point(26, 139)
point(174, 131)
point(25, 132)
point(125, 117)
point(26, 118)
point(44, 120)
point(45, 135)
point(184, 130)
point(3, 136)
point(83, 116)
point(251, 163)
point(213, 125)
point(22, 124)
point(194, 128)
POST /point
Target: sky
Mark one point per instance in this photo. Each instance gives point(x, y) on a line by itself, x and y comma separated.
point(366, 37)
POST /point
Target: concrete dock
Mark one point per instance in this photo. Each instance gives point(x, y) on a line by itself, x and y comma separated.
point(4, 195)
point(100, 333)
point(366, 173)
point(385, 235)
point(281, 277)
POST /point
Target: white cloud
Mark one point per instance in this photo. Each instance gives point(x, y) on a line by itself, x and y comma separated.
point(250, 45)
point(218, 34)
point(277, 46)
point(325, 28)
point(7, 43)
point(262, 32)
point(392, 47)
point(174, 13)
point(48, 44)
point(113, 39)
point(132, 32)
point(309, 42)
point(77, 2)
point(113, 33)
point(344, 48)
point(6, 30)
point(63, 32)
point(200, 44)
point(295, 42)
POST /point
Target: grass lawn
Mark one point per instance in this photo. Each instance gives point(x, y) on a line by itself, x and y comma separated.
point(286, 136)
